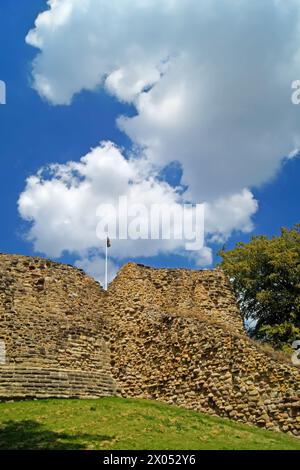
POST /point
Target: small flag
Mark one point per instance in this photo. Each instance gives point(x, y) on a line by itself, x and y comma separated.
point(108, 243)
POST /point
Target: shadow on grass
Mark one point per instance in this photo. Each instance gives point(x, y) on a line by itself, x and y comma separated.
point(31, 435)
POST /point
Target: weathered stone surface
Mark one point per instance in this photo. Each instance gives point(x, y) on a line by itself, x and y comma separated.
point(52, 325)
point(186, 345)
point(171, 335)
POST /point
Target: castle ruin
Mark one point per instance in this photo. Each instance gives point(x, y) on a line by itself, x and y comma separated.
point(172, 335)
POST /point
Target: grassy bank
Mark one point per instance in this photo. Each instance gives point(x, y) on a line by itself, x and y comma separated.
point(114, 423)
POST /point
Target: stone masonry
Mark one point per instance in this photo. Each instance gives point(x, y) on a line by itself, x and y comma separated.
point(172, 335)
point(52, 326)
point(177, 336)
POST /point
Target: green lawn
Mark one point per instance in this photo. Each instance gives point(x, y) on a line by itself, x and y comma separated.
point(115, 423)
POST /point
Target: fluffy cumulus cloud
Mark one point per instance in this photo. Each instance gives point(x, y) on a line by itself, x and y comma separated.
point(66, 203)
point(63, 202)
point(211, 84)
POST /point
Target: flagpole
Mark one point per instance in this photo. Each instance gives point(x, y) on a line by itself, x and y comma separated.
point(106, 249)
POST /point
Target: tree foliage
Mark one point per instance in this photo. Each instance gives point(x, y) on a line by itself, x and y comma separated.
point(265, 274)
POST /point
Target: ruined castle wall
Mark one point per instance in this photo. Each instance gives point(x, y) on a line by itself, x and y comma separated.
point(171, 335)
point(204, 294)
point(52, 327)
point(181, 347)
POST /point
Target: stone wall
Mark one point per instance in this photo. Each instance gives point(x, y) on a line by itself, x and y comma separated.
point(52, 326)
point(177, 336)
point(173, 335)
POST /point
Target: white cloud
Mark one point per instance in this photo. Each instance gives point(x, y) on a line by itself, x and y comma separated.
point(225, 215)
point(211, 84)
point(62, 202)
point(204, 257)
point(219, 72)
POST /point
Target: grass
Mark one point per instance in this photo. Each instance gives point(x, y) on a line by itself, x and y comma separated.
point(116, 423)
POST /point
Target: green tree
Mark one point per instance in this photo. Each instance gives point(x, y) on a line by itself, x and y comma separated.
point(265, 274)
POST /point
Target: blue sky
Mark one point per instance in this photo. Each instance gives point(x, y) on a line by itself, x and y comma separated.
point(36, 132)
